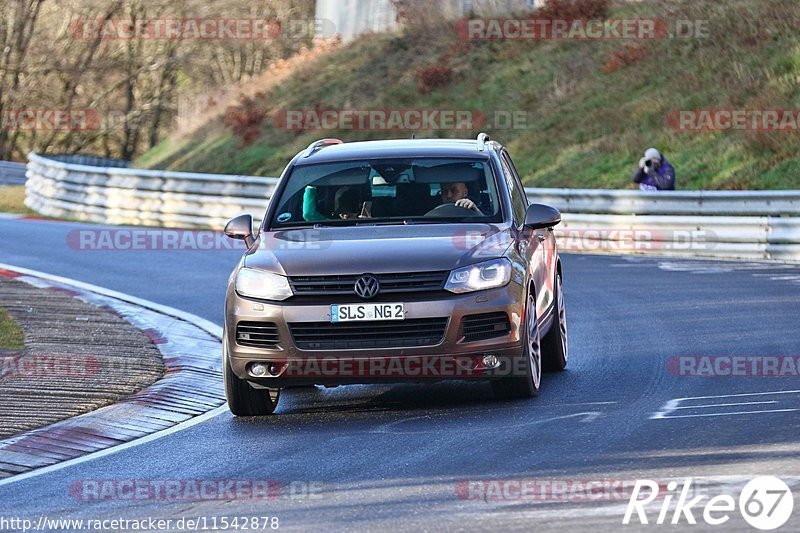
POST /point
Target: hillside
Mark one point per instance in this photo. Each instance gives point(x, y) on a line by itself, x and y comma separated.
point(591, 107)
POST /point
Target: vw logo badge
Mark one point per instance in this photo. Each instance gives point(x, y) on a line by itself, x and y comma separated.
point(367, 286)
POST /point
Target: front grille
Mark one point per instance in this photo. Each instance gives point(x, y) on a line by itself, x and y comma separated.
point(257, 334)
point(390, 283)
point(368, 334)
point(485, 326)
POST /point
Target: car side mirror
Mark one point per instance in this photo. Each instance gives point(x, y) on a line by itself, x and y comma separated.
point(241, 228)
point(541, 216)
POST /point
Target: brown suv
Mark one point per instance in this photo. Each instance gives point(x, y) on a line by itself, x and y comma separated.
point(394, 260)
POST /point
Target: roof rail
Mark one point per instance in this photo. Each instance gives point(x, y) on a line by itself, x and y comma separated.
point(316, 146)
point(483, 138)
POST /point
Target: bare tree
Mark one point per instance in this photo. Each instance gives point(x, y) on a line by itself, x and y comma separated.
point(17, 23)
point(48, 61)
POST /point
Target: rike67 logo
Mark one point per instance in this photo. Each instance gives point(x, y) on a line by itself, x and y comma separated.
point(765, 503)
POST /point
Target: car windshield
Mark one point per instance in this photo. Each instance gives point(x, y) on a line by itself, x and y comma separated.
point(390, 191)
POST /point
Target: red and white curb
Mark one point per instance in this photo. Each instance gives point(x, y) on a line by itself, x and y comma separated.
point(189, 392)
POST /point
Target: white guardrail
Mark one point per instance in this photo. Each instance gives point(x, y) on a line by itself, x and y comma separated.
point(731, 224)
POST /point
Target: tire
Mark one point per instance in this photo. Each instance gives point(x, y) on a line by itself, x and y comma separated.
point(528, 384)
point(244, 400)
point(555, 345)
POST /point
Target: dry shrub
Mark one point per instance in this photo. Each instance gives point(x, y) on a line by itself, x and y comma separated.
point(431, 77)
point(774, 141)
point(761, 142)
point(409, 11)
point(206, 108)
point(734, 184)
point(421, 17)
point(574, 9)
point(456, 50)
point(622, 57)
point(570, 70)
point(245, 118)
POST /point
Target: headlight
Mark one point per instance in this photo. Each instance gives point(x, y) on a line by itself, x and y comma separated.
point(486, 275)
point(263, 285)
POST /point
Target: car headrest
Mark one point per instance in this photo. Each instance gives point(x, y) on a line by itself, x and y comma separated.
point(347, 200)
point(413, 190)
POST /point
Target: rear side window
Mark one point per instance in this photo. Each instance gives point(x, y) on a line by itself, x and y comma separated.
point(519, 201)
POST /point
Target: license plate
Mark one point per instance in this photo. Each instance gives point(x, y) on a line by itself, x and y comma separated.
point(353, 312)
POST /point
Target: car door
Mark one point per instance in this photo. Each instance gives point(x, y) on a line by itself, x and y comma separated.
point(531, 244)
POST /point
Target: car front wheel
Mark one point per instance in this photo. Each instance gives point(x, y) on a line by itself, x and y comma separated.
point(244, 400)
point(555, 345)
point(526, 377)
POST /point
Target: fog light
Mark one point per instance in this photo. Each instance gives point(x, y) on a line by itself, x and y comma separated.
point(258, 370)
point(490, 361)
point(274, 369)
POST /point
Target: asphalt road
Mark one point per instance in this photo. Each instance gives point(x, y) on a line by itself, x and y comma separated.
point(398, 456)
point(12, 173)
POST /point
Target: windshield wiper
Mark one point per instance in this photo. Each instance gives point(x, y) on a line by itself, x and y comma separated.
point(331, 224)
point(382, 221)
point(432, 220)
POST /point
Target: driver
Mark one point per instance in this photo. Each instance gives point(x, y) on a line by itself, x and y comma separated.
point(456, 193)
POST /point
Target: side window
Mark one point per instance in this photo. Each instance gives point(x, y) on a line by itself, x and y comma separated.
point(519, 202)
point(520, 188)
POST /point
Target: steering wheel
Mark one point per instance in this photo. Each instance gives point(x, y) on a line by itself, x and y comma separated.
point(450, 209)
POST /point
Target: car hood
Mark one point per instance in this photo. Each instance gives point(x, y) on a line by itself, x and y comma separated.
point(377, 249)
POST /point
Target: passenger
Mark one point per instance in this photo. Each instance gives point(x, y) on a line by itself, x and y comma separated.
point(345, 205)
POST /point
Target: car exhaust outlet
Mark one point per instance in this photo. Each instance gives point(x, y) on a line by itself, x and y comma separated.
point(490, 362)
point(257, 370)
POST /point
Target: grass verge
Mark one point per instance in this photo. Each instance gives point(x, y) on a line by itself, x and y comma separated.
point(12, 200)
point(591, 107)
point(11, 336)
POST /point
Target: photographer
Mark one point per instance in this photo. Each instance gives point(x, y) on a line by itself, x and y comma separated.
point(654, 172)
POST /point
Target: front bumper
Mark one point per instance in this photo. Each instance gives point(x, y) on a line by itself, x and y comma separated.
point(452, 358)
